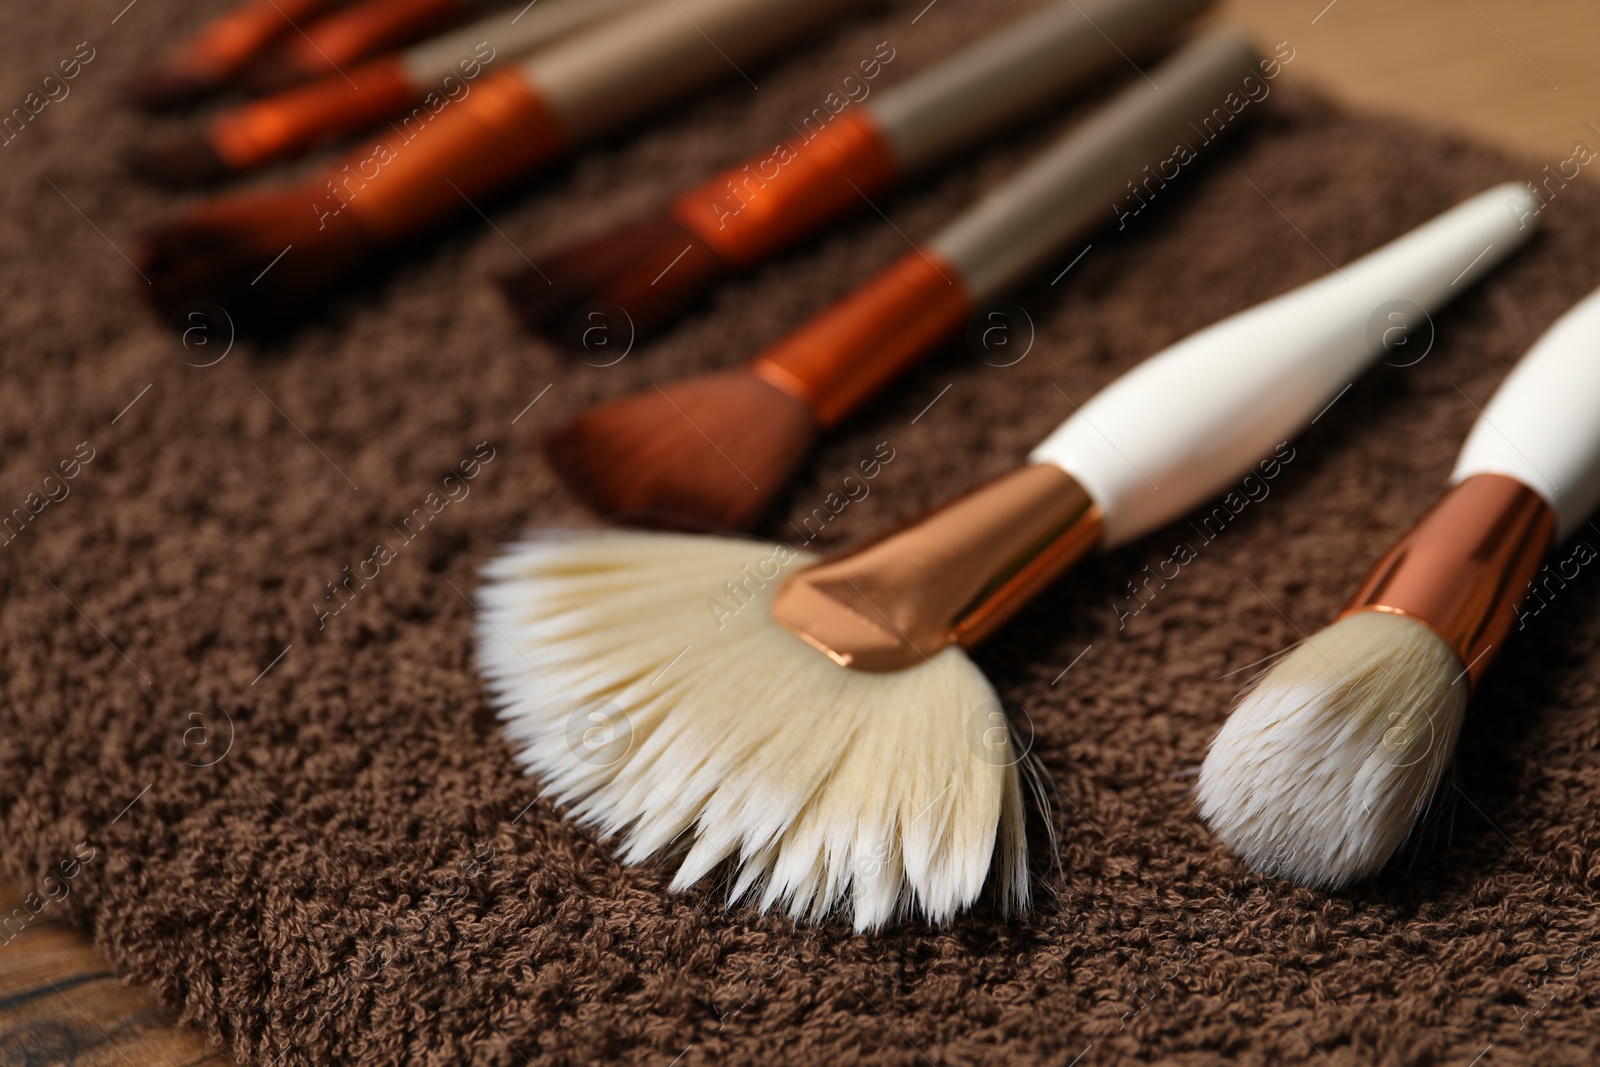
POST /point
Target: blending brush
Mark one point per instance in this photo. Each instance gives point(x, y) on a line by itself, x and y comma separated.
point(717, 449)
point(263, 131)
point(365, 28)
point(1331, 757)
point(330, 228)
point(653, 267)
point(213, 57)
point(823, 729)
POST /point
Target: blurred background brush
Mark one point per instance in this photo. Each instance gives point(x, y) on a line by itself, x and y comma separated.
point(715, 450)
point(338, 105)
point(755, 209)
point(334, 227)
point(352, 33)
point(214, 57)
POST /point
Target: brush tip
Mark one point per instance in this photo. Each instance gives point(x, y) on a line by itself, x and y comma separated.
point(262, 258)
point(709, 451)
point(273, 71)
point(167, 87)
point(181, 159)
point(629, 282)
point(1331, 757)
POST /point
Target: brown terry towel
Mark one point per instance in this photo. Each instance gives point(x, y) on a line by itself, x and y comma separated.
point(308, 836)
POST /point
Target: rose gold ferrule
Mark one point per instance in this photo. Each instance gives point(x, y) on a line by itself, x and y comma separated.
point(950, 577)
point(1463, 569)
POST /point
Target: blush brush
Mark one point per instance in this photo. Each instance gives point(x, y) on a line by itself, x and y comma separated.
point(278, 127)
point(1331, 757)
point(716, 449)
point(653, 267)
point(340, 223)
point(818, 726)
point(213, 57)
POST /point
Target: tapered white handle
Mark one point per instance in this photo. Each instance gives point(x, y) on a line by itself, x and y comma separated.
point(1178, 428)
point(1543, 425)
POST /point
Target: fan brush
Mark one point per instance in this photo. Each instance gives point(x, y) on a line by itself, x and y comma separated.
point(717, 449)
point(818, 726)
point(655, 266)
point(1331, 757)
point(434, 73)
point(265, 257)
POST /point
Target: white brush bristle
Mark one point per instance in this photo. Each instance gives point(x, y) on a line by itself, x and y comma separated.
point(828, 789)
point(1328, 761)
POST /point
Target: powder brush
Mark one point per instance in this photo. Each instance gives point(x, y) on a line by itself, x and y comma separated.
point(352, 33)
point(339, 224)
point(1330, 758)
point(716, 449)
point(819, 727)
point(654, 266)
point(215, 55)
point(278, 127)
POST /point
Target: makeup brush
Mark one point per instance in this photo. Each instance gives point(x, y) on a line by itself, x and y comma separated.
point(819, 726)
point(717, 449)
point(1332, 756)
point(332, 227)
point(655, 266)
point(213, 57)
point(430, 75)
point(362, 29)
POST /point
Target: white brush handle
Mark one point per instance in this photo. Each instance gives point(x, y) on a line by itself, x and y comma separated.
point(1177, 429)
point(1542, 426)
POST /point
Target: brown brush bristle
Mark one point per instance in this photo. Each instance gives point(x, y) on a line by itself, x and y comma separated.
point(231, 252)
point(180, 160)
point(652, 268)
point(278, 69)
point(712, 450)
point(169, 86)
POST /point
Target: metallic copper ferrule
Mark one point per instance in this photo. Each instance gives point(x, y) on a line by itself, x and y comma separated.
point(849, 352)
point(1463, 569)
point(951, 577)
point(473, 147)
point(749, 212)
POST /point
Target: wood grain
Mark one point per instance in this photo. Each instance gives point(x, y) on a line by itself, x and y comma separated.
point(60, 1004)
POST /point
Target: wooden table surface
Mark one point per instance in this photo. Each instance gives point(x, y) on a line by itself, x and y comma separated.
point(1518, 73)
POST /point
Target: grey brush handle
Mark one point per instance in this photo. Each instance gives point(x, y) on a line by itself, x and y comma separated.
point(1014, 230)
point(1017, 70)
point(605, 77)
point(509, 33)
